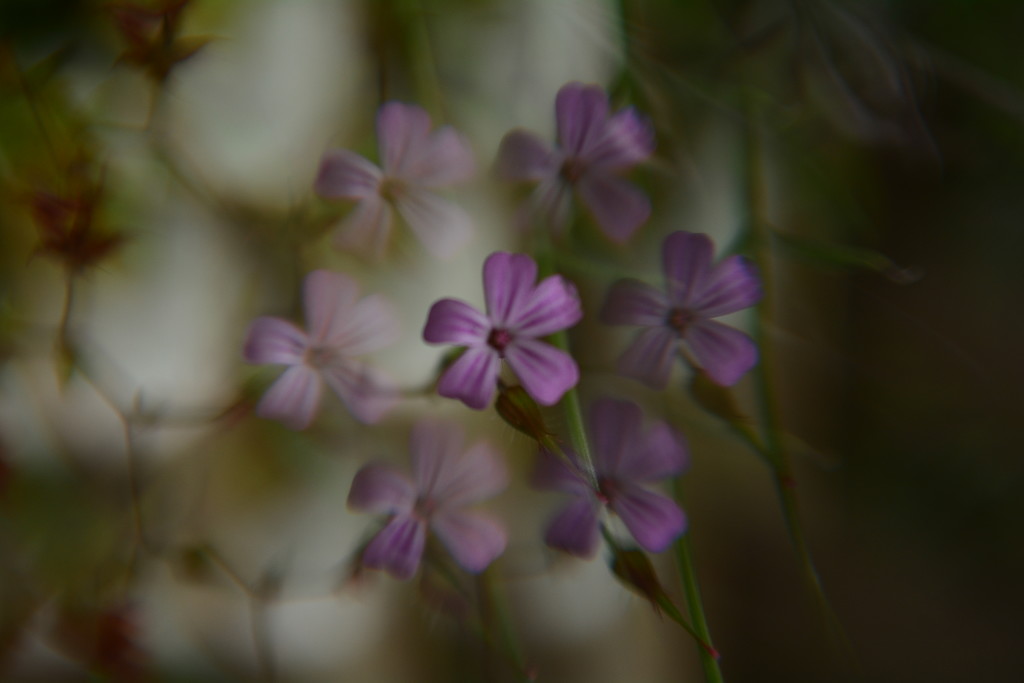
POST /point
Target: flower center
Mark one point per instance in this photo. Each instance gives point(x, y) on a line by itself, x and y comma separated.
point(679, 319)
point(424, 508)
point(391, 189)
point(498, 339)
point(320, 356)
point(572, 169)
point(605, 490)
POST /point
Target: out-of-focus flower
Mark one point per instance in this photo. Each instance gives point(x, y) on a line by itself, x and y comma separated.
point(341, 326)
point(518, 313)
point(625, 459)
point(446, 479)
point(414, 161)
point(695, 292)
point(593, 150)
point(150, 33)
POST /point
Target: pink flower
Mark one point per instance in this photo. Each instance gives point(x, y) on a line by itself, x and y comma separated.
point(415, 161)
point(445, 480)
point(695, 292)
point(594, 150)
point(518, 313)
point(625, 459)
point(341, 326)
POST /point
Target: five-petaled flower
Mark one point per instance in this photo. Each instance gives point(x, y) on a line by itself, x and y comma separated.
point(625, 458)
point(594, 150)
point(414, 162)
point(340, 326)
point(695, 292)
point(518, 312)
point(446, 478)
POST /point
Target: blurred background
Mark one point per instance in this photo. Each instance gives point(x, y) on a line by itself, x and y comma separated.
point(156, 170)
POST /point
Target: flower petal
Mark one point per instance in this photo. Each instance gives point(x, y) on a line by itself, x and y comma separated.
point(472, 378)
point(379, 489)
point(466, 478)
point(367, 395)
point(346, 175)
point(451, 321)
point(371, 324)
point(508, 285)
point(274, 340)
point(649, 358)
point(551, 473)
point(328, 298)
point(686, 258)
point(402, 131)
point(574, 528)
point(473, 539)
point(553, 305)
point(615, 430)
point(546, 372)
point(434, 445)
point(581, 113)
point(616, 204)
point(444, 159)
point(398, 547)
point(732, 286)
point(724, 352)
point(293, 398)
point(631, 302)
point(440, 225)
point(653, 519)
point(367, 228)
point(627, 139)
point(548, 207)
point(659, 453)
point(524, 156)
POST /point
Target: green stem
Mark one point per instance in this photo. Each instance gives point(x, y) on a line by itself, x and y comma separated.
point(694, 603)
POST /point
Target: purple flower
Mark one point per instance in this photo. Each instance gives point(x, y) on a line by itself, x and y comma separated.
point(445, 479)
point(518, 313)
point(340, 326)
point(594, 150)
point(415, 161)
point(625, 458)
point(695, 292)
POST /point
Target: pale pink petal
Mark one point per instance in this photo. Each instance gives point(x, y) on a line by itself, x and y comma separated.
point(549, 206)
point(574, 529)
point(472, 378)
point(435, 446)
point(552, 473)
point(631, 302)
point(628, 139)
point(293, 398)
point(445, 159)
point(732, 286)
point(649, 358)
point(380, 489)
point(398, 547)
point(616, 204)
point(469, 477)
point(473, 539)
point(552, 306)
point(523, 156)
point(508, 285)
point(581, 112)
point(402, 131)
point(451, 321)
point(367, 228)
point(346, 175)
point(273, 340)
point(686, 257)
point(367, 395)
point(328, 298)
point(615, 430)
point(371, 324)
point(653, 519)
point(725, 353)
point(659, 453)
point(546, 372)
point(440, 225)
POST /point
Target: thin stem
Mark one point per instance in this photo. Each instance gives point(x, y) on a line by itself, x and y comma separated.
point(694, 603)
point(425, 63)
